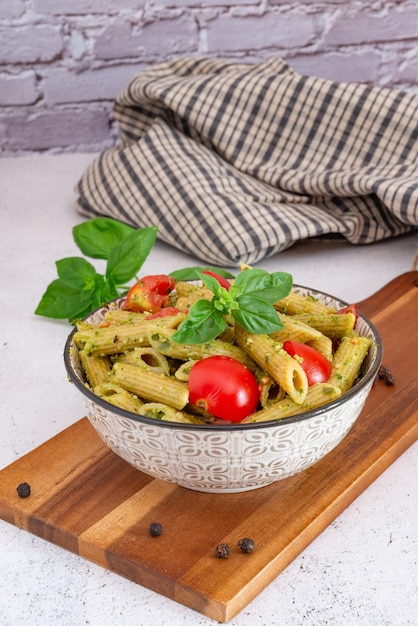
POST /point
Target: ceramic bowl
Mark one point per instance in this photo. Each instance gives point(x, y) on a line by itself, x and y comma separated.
point(228, 458)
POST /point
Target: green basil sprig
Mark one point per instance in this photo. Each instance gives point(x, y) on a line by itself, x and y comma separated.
point(249, 300)
point(79, 288)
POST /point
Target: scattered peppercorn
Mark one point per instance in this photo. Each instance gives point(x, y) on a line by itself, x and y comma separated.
point(23, 490)
point(386, 375)
point(222, 551)
point(246, 544)
point(155, 529)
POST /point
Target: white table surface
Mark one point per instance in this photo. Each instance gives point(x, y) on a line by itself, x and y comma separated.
point(362, 570)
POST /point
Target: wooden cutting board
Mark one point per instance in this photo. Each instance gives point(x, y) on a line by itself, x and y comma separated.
point(87, 500)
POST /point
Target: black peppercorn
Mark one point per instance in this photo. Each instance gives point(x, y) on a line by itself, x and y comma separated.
point(155, 529)
point(222, 551)
point(23, 490)
point(246, 545)
point(386, 375)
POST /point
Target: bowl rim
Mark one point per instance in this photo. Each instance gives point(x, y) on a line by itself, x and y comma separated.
point(230, 426)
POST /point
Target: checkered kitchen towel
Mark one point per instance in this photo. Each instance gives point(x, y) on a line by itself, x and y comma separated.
point(237, 162)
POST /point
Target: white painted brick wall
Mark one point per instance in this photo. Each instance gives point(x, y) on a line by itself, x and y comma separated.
point(62, 62)
point(288, 31)
point(11, 9)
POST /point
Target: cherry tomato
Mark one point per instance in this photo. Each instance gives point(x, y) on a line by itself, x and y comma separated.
point(314, 364)
point(224, 387)
point(221, 279)
point(150, 293)
point(166, 312)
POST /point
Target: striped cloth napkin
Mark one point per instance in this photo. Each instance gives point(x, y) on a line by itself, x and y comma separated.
point(237, 162)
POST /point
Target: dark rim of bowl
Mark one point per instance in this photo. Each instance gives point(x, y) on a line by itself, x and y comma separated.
point(364, 380)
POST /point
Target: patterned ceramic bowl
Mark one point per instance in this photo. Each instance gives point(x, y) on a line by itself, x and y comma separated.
point(228, 458)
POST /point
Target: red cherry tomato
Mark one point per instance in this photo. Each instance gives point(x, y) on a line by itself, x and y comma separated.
point(166, 312)
point(150, 293)
point(314, 364)
point(224, 387)
point(221, 279)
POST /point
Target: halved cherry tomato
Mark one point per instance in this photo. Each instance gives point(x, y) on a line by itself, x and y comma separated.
point(224, 387)
point(150, 293)
point(314, 364)
point(221, 279)
point(166, 312)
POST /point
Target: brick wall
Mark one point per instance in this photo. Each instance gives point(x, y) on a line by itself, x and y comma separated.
point(63, 61)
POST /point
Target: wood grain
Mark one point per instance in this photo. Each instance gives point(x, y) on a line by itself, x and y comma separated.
point(88, 500)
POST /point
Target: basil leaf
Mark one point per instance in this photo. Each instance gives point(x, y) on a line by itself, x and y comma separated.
point(283, 282)
point(250, 280)
point(127, 258)
point(281, 285)
point(270, 287)
point(110, 291)
point(60, 301)
point(98, 295)
point(211, 283)
point(191, 273)
point(98, 236)
point(104, 291)
point(202, 324)
point(77, 273)
point(79, 288)
point(256, 315)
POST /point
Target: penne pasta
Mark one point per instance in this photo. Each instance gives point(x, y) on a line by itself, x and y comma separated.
point(160, 339)
point(317, 395)
point(96, 368)
point(324, 345)
point(120, 316)
point(171, 321)
point(271, 357)
point(120, 397)
point(228, 335)
point(146, 357)
point(183, 372)
point(296, 303)
point(334, 326)
point(82, 325)
point(192, 292)
point(295, 330)
point(166, 413)
point(150, 385)
point(185, 302)
point(270, 391)
point(113, 339)
point(347, 361)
